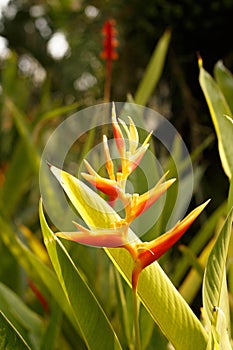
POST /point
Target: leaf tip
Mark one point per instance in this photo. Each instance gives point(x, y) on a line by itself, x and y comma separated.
point(199, 60)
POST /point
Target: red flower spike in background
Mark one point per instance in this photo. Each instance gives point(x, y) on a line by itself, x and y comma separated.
point(110, 42)
point(109, 53)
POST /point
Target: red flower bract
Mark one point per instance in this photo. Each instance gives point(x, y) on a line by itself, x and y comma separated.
point(110, 42)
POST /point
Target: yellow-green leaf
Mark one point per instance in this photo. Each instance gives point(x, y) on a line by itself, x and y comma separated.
point(219, 109)
point(215, 295)
point(224, 79)
point(94, 324)
point(153, 70)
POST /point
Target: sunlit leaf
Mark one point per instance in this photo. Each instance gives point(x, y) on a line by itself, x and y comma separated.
point(219, 109)
point(224, 79)
point(215, 295)
point(94, 324)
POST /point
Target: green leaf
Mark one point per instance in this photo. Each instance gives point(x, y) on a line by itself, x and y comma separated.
point(14, 186)
point(215, 295)
point(10, 339)
point(51, 335)
point(193, 281)
point(27, 323)
point(219, 109)
point(25, 133)
point(153, 70)
point(41, 274)
point(94, 324)
point(198, 242)
point(159, 296)
point(224, 79)
point(58, 112)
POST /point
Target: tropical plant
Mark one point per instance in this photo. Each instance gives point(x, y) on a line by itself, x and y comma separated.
point(65, 295)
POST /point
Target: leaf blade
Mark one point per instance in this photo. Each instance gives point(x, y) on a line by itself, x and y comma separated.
point(224, 79)
point(86, 309)
point(214, 292)
point(9, 336)
point(219, 109)
point(25, 321)
point(153, 70)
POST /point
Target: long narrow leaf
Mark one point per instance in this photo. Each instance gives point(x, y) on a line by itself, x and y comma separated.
point(156, 291)
point(14, 186)
point(215, 296)
point(93, 322)
point(36, 270)
point(27, 322)
point(153, 70)
point(10, 339)
point(219, 109)
point(25, 133)
point(224, 79)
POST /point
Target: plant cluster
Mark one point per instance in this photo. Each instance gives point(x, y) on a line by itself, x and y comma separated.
point(57, 294)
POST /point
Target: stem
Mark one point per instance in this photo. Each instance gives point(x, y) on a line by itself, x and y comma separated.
point(230, 196)
point(124, 309)
point(107, 86)
point(136, 320)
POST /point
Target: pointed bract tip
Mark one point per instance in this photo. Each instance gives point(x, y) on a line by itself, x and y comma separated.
point(202, 206)
point(170, 182)
point(80, 227)
point(56, 171)
point(88, 177)
point(49, 164)
point(113, 111)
